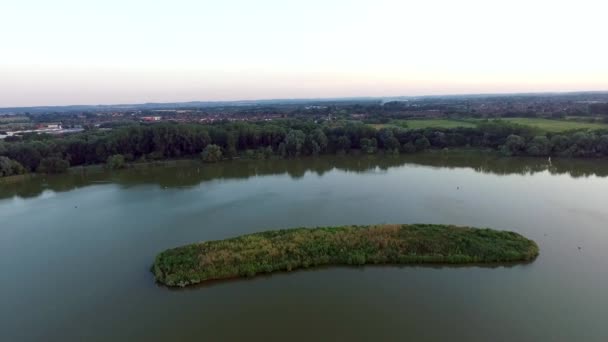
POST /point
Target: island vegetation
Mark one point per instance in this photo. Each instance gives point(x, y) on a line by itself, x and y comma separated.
point(291, 249)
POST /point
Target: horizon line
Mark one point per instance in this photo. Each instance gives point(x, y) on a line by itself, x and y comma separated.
point(344, 98)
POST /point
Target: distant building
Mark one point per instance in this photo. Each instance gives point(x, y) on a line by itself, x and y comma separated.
point(49, 126)
point(151, 118)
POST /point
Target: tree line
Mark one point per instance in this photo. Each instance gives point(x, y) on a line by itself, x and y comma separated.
point(280, 138)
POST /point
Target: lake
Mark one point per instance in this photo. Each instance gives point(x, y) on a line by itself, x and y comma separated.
point(76, 251)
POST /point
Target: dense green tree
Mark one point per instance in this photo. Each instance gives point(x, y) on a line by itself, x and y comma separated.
point(294, 141)
point(26, 155)
point(408, 148)
point(539, 146)
point(560, 144)
point(584, 145)
point(387, 139)
point(9, 167)
point(264, 152)
point(369, 146)
point(514, 145)
point(344, 143)
point(116, 162)
point(602, 145)
point(422, 144)
point(211, 154)
point(53, 165)
point(288, 137)
point(282, 150)
point(316, 142)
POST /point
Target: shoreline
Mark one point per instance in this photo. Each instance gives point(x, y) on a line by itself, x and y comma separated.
point(434, 153)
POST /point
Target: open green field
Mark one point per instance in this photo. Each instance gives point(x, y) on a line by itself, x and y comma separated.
point(437, 123)
point(426, 123)
point(546, 125)
point(549, 125)
point(290, 249)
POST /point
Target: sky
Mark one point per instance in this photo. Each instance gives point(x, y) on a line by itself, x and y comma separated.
point(129, 51)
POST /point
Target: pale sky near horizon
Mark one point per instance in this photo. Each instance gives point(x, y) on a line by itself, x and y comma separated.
point(130, 51)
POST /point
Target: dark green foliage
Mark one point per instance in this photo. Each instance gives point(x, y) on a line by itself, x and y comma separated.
point(514, 145)
point(602, 145)
point(25, 153)
point(389, 141)
point(369, 146)
point(560, 144)
point(53, 165)
point(211, 154)
point(291, 138)
point(9, 167)
point(422, 144)
point(409, 148)
point(539, 146)
point(315, 142)
point(294, 141)
point(116, 162)
point(344, 144)
point(286, 250)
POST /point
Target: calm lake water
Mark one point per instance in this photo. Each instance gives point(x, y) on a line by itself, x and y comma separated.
point(75, 251)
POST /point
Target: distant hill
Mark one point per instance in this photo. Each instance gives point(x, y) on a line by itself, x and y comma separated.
point(589, 96)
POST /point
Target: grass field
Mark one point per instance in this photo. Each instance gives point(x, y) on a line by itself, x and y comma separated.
point(437, 123)
point(426, 123)
point(548, 125)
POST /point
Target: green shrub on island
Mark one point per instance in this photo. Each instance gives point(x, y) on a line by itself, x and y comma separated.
point(286, 250)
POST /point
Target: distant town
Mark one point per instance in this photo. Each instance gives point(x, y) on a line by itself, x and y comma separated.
point(588, 106)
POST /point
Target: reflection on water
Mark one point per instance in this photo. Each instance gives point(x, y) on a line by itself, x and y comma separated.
point(191, 173)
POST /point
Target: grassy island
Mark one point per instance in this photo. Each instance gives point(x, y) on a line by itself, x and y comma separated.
point(286, 250)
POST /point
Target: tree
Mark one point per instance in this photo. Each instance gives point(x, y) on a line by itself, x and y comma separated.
point(539, 146)
point(316, 142)
point(294, 142)
point(369, 146)
point(26, 155)
point(115, 162)
point(560, 144)
point(585, 144)
point(422, 144)
point(344, 144)
point(211, 154)
point(602, 145)
point(9, 167)
point(409, 148)
point(231, 148)
point(282, 150)
point(388, 140)
point(53, 165)
point(263, 152)
point(513, 146)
